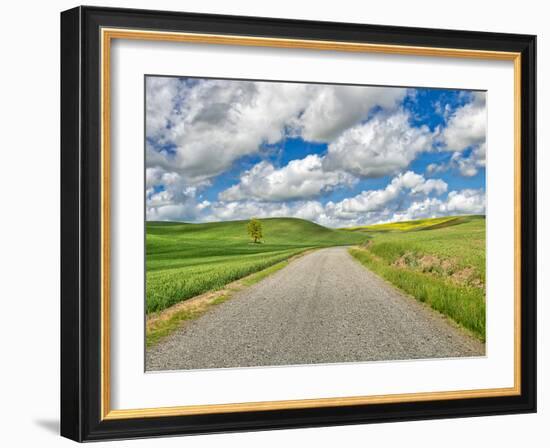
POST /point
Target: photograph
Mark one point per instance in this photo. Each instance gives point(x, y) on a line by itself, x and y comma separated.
point(273, 222)
point(293, 223)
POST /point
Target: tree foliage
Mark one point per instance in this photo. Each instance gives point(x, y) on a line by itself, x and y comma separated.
point(254, 229)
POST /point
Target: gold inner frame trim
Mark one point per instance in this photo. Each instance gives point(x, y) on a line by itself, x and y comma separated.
point(107, 35)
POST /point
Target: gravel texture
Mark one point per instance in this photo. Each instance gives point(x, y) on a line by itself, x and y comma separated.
point(322, 308)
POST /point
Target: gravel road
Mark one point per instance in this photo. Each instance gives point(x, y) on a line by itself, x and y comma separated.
point(322, 308)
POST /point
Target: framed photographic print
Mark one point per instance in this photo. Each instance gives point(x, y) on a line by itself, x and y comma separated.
point(273, 223)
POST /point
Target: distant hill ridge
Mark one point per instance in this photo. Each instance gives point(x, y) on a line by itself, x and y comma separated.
point(275, 230)
point(418, 224)
point(297, 223)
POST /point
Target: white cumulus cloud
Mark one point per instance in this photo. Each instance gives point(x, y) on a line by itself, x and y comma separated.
point(200, 127)
point(468, 201)
point(467, 125)
point(466, 128)
point(383, 145)
point(463, 202)
point(236, 210)
point(405, 185)
point(301, 178)
point(333, 109)
point(470, 165)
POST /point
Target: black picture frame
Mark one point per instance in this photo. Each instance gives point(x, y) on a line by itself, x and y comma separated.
point(81, 224)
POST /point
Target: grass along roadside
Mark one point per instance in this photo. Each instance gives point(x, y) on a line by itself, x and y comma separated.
point(163, 323)
point(441, 265)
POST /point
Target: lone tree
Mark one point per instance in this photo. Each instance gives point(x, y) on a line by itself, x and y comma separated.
point(254, 229)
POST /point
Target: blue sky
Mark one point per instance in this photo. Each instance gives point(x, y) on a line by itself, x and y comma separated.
point(334, 154)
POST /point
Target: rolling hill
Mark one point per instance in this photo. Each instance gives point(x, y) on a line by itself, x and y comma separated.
point(417, 224)
point(184, 260)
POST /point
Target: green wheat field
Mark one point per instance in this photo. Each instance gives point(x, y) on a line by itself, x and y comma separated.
point(184, 260)
point(438, 261)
